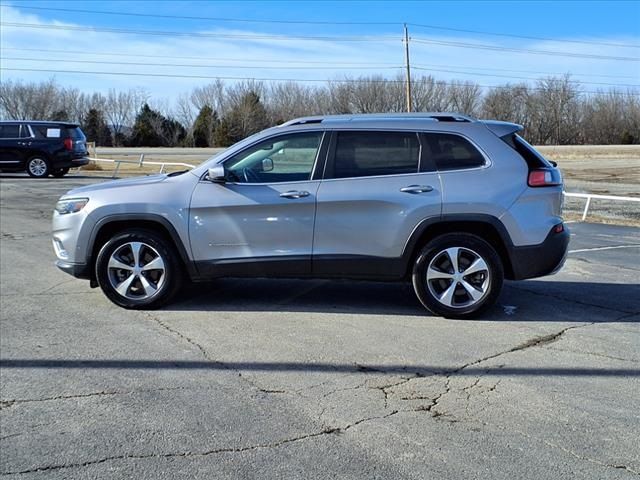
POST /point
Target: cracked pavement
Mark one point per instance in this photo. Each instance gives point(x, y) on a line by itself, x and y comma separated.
point(314, 379)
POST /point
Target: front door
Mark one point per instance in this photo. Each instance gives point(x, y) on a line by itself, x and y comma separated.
point(260, 221)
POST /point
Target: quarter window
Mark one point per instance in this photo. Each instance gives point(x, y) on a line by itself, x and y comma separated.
point(288, 158)
point(364, 154)
point(452, 152)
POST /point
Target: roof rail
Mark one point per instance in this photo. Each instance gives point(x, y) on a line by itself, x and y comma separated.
point(436, 116)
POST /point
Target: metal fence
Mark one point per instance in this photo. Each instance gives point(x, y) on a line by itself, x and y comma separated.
point(140, 162)
point(590, 196)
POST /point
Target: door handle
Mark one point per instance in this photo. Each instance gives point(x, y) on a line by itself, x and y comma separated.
point(295, 194)
point(417, 189)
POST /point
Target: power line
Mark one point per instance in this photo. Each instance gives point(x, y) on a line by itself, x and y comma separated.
point(325, 80)
point(145, 64)
point(526, 37)
point(524, 50)
point(524, 78)
point(320, 22)
point(309, 62)
point(260, 67)
point(362, 38)
point(215, 19)
point(182, 57)
point(332, 38)
point(427, 66)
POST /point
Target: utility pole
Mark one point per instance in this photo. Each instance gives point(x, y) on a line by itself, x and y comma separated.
point(406, 51)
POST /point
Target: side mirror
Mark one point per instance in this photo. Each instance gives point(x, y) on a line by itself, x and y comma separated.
point(216, 174)
point(267, 165)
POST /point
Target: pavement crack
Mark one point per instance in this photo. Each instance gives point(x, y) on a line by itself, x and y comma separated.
point(4, 404)
point(594, 354)
point(577, 455)
point(205, 453)
point(206, 355)
point(533, 342)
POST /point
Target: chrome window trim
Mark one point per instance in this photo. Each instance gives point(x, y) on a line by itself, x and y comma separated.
point(381, 130)
point(276, 135)
point(487, 161)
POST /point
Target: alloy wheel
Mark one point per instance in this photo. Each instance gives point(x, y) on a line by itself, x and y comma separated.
point(136, 270)
point(37, 167)
point(458, 277)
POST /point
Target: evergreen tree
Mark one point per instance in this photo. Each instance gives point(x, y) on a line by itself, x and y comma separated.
point(247, 117)
point(96, 129)
point(204, 127)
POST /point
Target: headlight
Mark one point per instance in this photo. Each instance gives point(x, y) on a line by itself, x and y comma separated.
point(71, 205)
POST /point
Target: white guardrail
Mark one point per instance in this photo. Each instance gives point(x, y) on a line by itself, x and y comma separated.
point(589, 196)
point(140, 162)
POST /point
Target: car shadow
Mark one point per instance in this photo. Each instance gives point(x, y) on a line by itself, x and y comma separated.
point(534, 300)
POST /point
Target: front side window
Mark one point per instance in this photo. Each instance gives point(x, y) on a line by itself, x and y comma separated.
point(287, 158)
point(452, 152)
point(9, 131)
point(365, 154)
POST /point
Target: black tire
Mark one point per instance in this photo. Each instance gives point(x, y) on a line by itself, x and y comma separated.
point(136, 295)
point(486, 283)
point(38, 167)
point(60, 172)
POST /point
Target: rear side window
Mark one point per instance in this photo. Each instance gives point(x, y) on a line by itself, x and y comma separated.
point(75, 133)
point(452, 152)
point(365, 154)
point(531, 156)
point(9, 131)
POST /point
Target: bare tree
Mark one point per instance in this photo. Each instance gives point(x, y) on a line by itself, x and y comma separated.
point(120, 109)
point(429, 95)
point(465, 97)
point(212, 94)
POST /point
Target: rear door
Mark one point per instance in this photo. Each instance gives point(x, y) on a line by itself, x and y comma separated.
point(376, 190)
point(10, 145)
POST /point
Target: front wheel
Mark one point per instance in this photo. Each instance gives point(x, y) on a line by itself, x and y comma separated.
point(457, 275)
point(138, 269)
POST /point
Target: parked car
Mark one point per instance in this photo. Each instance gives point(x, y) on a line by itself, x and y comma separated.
point(41, 148)
point(447, 202)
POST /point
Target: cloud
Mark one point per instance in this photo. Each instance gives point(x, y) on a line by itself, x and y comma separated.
point(210, 57)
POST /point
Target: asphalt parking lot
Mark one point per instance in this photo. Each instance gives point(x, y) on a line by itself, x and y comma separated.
point(315, 379)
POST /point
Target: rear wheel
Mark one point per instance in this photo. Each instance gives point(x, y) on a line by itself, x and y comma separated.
point(60, 172)
point(38, 167)
point(138, 269)
point(457, 275)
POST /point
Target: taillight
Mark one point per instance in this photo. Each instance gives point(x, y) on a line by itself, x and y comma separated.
point(544, 177)
point(68, 143)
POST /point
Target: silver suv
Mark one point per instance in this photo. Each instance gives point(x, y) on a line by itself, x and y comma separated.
point(450, 203)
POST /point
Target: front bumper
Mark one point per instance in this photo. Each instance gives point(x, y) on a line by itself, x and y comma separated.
point(543, 259)
point(78, 270)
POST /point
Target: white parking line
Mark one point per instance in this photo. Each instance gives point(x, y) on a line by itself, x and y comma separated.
point(604, 248)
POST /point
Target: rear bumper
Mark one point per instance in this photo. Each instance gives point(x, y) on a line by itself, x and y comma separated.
point(543, 259)
point(70, 163)
point(78, 270)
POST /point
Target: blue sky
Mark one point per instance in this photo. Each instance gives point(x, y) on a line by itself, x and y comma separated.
point(235, 49)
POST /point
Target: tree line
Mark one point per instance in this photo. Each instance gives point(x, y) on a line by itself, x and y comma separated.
point(554, 110)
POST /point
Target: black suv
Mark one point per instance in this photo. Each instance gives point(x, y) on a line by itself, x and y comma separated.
point(42, 148)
